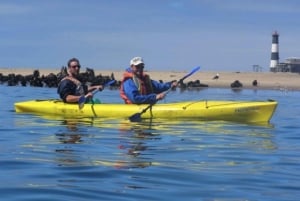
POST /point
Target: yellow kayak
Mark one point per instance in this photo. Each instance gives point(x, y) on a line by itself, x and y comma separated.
point(238, 111)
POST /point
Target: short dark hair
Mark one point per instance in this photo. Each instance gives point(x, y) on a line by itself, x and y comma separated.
point(73, 59)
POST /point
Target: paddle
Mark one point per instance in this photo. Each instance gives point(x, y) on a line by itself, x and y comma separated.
point(82, 98)
point(137, 116)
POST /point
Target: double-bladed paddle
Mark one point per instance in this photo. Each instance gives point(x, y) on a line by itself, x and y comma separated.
point(137, 116)
point(82, 98)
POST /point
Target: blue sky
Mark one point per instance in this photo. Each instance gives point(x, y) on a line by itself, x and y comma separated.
point(218, 35)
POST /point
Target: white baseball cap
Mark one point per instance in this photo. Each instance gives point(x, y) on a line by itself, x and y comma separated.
point(136, 61)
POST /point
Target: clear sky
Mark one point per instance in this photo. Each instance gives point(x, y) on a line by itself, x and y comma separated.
point(218, 35)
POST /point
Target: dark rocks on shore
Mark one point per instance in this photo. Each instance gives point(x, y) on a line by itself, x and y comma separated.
point(52, 80)
point(192, 84)
point(254, 83)
point(236, 84)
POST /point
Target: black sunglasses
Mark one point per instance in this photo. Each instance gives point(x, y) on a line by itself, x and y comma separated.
point(140, 66)
point(76, 66)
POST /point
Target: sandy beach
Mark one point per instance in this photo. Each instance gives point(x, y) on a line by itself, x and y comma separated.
point(266, 80)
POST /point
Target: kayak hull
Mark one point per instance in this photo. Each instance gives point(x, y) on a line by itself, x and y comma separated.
point(238, 111)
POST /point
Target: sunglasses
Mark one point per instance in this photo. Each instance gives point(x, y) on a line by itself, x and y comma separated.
point(140, 66)
point(76, 66)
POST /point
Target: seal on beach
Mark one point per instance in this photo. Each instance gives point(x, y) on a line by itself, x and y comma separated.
point(254, 83)
point(236, 84)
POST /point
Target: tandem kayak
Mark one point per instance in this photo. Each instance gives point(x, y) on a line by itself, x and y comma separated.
point(238, 111)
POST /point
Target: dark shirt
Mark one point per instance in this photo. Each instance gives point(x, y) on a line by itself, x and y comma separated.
point(67, 87)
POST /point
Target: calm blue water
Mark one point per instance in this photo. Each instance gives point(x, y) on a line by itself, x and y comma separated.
point(109, 159)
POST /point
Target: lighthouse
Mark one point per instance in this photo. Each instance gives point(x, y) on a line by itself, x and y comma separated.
point(274, 51)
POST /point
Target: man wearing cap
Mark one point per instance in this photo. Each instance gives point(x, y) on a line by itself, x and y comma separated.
point(138, 88)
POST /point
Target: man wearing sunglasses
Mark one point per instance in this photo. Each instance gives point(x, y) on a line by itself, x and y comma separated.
point(71, 89)
point(138, 88)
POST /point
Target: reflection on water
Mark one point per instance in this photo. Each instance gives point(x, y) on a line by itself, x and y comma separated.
point(133, 143)
point(66, 154)
point(123, 144)
point(164, 150)
point(74, 134)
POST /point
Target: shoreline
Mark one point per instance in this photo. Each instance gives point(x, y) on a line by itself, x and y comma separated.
point(265, 80)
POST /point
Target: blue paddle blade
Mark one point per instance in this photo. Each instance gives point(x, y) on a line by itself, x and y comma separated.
point(192, 72)
point(81, 101)
point(136, 117)
point(109, 83)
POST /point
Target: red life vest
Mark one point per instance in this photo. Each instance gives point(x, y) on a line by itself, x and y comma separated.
point(143, 84)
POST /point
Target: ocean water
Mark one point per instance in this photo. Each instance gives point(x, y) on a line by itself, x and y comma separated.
point(53, 159)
